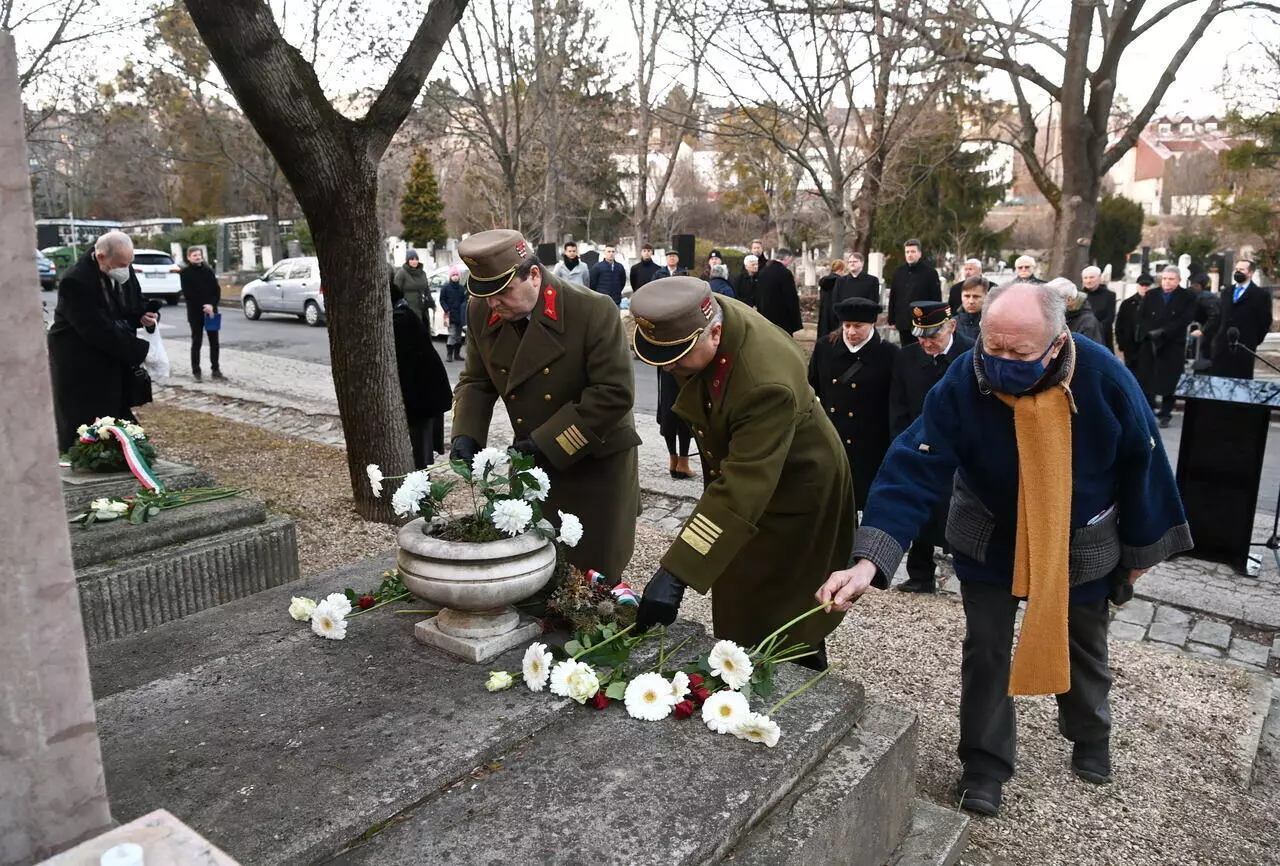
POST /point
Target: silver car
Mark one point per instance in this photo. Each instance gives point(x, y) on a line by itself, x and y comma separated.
point(291, 286)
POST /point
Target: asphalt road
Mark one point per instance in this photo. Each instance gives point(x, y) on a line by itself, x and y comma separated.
point(287, 337)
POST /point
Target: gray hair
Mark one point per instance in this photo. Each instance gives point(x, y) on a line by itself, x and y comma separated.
point(717, 319)
point(113, 243)
point(1091, 271)
point(1172, 269)
point(1024, 260)
point(977, 262)
point(721, 271)
point(1063, 286)
point(751, 260)
point(1053, 304)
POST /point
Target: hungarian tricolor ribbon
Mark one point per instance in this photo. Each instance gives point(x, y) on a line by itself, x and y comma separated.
point(132, 457)
point(621, 592)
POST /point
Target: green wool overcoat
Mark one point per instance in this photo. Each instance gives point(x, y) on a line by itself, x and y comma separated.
point(568, 385)
point(777, 514)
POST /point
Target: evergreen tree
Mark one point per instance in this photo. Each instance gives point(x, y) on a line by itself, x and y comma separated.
point(1117, 233)
point(421, 210)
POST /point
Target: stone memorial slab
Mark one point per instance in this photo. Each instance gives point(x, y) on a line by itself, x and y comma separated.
point(162, 838)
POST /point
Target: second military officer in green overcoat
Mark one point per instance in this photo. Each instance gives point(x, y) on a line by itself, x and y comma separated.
point(556, 355)
point(777, 509)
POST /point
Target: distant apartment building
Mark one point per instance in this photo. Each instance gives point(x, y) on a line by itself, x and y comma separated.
point(1173, 169)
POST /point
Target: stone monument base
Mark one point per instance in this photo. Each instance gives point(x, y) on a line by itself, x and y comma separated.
point(475, 649)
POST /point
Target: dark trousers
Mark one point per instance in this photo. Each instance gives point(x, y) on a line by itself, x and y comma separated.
point(987, 724)
point(1166, 405)
point(197, 335)
point(678, 448)
point(427, 438)
point(920, 564)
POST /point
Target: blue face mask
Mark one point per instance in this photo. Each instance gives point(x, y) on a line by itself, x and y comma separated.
point(1013, 376)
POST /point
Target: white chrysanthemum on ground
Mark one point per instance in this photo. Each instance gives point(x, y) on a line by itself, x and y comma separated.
point(540, 486)
point(758, 728)
point(648, 697)
point(301, 608)
point(134, 431)
point(679, 686)
point(536, 666)
point(108, 509)
point(489, 459)
point(499, 680)
point(570, 530)
point(574, 679)
point(338, 602)
point(328, 622)
point(375, 479)
point(723, 710)
point(512, 516)
point(415, 486)
point(730, 663)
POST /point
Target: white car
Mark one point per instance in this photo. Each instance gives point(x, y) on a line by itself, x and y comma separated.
point(158, 274)
point(291, 286)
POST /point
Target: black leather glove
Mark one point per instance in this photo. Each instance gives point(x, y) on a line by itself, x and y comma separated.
point(661, 600)
point(527, 447)
point(464, 448)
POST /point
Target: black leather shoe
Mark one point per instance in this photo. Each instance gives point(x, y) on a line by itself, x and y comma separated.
point(218, 377)
point(1165, 422)
point(916, 584)
point(978, 795)
point(1092, 762)
point(195, 374)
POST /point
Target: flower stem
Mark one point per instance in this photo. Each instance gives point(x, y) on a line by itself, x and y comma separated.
point(603, 642)
point(783, 628)
point(773, 709)
point(400, 597)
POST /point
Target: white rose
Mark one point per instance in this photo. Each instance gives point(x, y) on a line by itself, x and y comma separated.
point(498, 681)
point(301, 608)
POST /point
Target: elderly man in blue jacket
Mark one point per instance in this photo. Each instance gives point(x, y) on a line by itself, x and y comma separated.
point(1063, 495)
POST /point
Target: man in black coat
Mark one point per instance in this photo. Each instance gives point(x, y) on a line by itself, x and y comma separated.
point(970, 269)
point(1103, 303)
point(1165, 317)
point(644, 270)
point(1080, 318)
point(202, 293)
point(747, 287)
point(914, 280)
point(93, 343)
point(854, 283)
point(1244, 320)
point(424, 384)
point(1128, 321)
point(917, 369)
point(850, 371)
point(779, 302)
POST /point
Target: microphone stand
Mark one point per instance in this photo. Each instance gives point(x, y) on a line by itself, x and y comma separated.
point(1272, 543)
point(1238, 345)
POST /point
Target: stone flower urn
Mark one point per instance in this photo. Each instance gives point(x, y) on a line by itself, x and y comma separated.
point(474, 584)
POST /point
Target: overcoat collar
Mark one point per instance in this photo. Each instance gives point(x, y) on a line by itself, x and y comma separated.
point(541, 344)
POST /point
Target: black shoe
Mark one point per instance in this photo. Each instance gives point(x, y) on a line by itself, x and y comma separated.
point(1092, 762)
point(1165, 422)
point(195, 374)
point(918, 584)
point(218, 377)
point(979, 795)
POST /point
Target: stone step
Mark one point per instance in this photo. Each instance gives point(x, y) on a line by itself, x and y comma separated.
point(853, 809)
point(81, 488)
point(1254, 742)
point(938, 836)
point(118, 539)
point(1265, 780)
point(131, 595)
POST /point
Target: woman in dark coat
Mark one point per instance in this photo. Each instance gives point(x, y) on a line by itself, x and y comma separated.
point(201, 290)
point(675, 430)
point(424, 384)
point(828, 321)
point(93, 343)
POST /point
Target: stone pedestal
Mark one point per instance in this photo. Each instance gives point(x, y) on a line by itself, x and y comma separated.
point(164, 840)
point(473, 646)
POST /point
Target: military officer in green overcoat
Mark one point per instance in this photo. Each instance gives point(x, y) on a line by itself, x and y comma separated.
point(556, 355)
point(777, 509)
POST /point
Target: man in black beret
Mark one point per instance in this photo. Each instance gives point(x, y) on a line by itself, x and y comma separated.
point(850, 370)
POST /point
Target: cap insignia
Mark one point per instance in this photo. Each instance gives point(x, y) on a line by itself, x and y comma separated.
point(917, 312)
point(644, 323)
point(705, 306)
point(468, 261)
point(522, 250)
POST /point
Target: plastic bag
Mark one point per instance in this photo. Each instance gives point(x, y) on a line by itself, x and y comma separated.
point(157, 361)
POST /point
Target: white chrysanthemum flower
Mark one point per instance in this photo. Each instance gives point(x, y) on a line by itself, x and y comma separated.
point(730, 663)
point(105, 421)
point(723, 710)
point(415, 486)
point(570, 530)
point(574, 679)
point(328, 622)
point(489, 459)
point(758, 728)
point(375, 479)
point(134, 431)
point(512, 516)
point(108, 509)
point(82, 430)
point(648, 697)
point(540, 487)
point(679, 686)
point(301, 608)
point(339, 602)
point(536, 666)
point(498, 681)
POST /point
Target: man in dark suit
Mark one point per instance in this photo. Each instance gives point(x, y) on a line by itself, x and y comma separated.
point(1244, 320)
point(1162, 331)
point(917, 369)
point(854, 283)
point(779, 302)
point(1103, 302)
point(93, 343)
point(915, 280)
point(673, 268)
point(850, 371)
point(970, 269)
point(1128, 318)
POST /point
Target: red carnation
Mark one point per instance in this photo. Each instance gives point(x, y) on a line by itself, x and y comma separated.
point(684, 710)
point(695, 680)
point(366, 602)
point(599, 701)
point(700, 694)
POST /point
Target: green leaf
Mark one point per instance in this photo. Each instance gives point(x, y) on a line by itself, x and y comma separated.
point(762, 680)
point(616, 690)
point(573, 647)
point(461, 468)
point(746, 690)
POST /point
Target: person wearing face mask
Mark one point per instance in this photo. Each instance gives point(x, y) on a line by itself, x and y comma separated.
point(914, 280)
point(1244, 319)
point(1060, 490)
point(850, 371)
point(202, 293)
point(93, 343)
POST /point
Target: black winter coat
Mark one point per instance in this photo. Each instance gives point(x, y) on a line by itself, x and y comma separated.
point(1251, 317)
point(854, 389)
point(1103, 302)
point(1128, 317)
point(424, 384)
point(199, 287)
point(911, 283)
point(844, 287)
point(1162, 330)
point(779, 302)
point(453, 300)
point(642, 272)
point(93, 347)
point(914, 373)
point(1084, 322)
point(747, 288)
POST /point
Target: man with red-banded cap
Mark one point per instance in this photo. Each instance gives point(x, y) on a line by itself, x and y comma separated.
point(556, 354)
point(777, 505)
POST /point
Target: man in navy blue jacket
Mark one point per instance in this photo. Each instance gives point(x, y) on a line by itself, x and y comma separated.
point(609, 277)
point(1104, 508)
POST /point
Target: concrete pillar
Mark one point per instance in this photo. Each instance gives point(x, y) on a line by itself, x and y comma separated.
point(52, 791)
point(248, 256)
